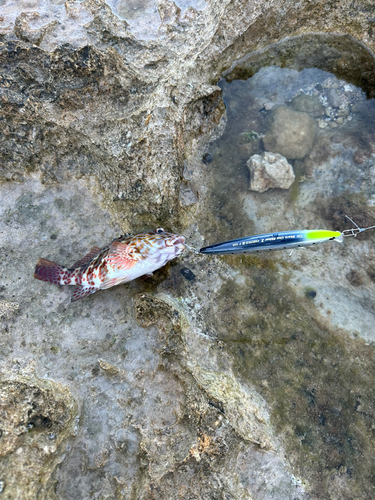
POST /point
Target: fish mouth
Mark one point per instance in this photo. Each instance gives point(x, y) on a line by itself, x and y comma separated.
point(178, 244)
point(180, 240)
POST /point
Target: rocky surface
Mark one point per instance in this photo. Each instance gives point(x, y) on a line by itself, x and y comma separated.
point(308, 104)
point(269, 170)
point(180, 385)
point(291, 133)
point(37, 417)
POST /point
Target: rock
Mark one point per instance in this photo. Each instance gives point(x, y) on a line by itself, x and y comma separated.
point(334, 99)
point(37, 418)
point(291, 133)
point(188, 194)
point(207, 158)
point(187, 273)
point(308, 104)
point(168, 11)
point(245, 409)
point(269, 170)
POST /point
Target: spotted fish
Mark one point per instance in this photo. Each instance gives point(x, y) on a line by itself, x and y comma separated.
point(125, 259)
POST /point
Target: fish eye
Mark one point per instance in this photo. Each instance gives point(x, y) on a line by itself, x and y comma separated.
point(159, 230)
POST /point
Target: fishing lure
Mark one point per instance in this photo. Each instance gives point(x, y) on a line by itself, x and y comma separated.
point(281, 241)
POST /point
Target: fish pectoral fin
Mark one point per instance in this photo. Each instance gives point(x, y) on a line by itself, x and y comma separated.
point(112, 282)
point(120, 256)
point(87, 258)
point(82, 291)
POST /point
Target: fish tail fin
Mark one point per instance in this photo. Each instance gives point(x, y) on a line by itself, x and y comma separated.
point(46, 270)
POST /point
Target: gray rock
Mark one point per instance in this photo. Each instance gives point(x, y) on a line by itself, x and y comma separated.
point(188, 194)
point(308, 104)
point(291, 133)
point(334, 99)
point(269, 170)
point(37, 418)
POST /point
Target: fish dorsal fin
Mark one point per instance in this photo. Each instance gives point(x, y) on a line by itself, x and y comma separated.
point(120, 255)
point(87, 258)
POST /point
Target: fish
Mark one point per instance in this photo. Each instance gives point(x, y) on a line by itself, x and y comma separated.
point(124, 259)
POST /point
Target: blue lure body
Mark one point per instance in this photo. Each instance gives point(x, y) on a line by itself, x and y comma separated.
point(281, 241)
point(272, 241)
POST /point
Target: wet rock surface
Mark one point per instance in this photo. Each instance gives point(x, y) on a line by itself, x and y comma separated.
point(269, 170)
point(195, 382)
point(291, 133)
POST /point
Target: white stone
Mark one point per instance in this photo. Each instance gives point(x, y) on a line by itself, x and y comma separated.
point(269, 170)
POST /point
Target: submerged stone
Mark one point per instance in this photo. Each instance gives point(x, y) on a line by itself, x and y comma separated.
point(207, 158)
point(188, 194)
point(187, 273)
point(334, 99)
point(269, 170)
point(308, 104)
point(291, 133)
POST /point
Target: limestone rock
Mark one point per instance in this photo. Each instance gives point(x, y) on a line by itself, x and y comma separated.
point(37, 417)
point(269, 170)
point(334, 99)
point(244, 408)
point(291, 133)
point(309, 104)
point(188, 194)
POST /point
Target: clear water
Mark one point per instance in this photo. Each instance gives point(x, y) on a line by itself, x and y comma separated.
point(302, 326)
point(335, 178)
point(341, 159)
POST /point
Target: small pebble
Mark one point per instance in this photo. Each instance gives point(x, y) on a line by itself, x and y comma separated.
point(311, 294)
point(328, 112)
point(359, 157)
point(186, 273)
point(207, 158)
point(268, 106)
point(356, 107)
point(334, 99)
